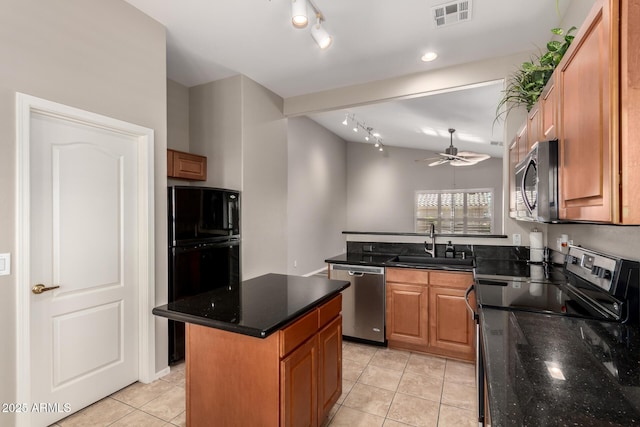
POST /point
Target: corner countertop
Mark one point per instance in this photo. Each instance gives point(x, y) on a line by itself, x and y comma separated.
point(545, 370)
point(258, 307)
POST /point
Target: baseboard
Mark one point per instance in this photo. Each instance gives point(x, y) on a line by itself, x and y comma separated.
point(316, 272)
point(162, 373)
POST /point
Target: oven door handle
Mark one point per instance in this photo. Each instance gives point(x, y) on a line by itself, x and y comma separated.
point(470, 289)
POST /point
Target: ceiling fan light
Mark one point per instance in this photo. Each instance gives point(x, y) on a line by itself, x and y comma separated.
point(321, 36)
point(299, 17)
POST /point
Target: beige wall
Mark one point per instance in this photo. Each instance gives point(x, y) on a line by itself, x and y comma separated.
point(317, 195)
point(215, 126)
point(239, 126)
point(102, 56)
point(382, 186)
point(177, 116)
point(264, 181)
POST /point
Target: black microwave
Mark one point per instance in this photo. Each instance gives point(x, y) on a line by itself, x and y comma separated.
point(202, 214)
point(536, 179)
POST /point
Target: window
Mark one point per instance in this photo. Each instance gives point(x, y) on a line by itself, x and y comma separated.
point(455, 211)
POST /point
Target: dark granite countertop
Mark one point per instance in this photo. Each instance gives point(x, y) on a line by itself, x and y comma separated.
point(545, 370)
point(387, 260)
point(258, 307)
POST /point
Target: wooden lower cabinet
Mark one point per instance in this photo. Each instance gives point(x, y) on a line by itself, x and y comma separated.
point(407, 316)
point(451, 332)
point(329, 367)
point(291, 378)
point(299, 386)
point(426, 312)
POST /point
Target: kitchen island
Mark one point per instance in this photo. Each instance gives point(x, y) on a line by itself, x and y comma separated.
point(268, 353)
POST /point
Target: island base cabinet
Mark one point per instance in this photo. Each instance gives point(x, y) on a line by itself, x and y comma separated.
point(291, 378)
point(231, 379)
point(299, 386)
point(329, 367)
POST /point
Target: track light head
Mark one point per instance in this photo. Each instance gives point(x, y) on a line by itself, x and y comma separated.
point(320, 35)
point(299, 17)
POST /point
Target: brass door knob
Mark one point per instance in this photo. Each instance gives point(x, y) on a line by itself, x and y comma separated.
point(39, 288)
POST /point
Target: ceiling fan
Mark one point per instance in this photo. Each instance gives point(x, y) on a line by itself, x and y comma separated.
point(455, 158)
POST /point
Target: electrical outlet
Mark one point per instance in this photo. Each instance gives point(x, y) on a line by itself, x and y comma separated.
point(295, 263)
point(517, 239)
point(5, 264)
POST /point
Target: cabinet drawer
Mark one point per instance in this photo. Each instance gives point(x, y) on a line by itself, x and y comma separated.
point(329, 310)
point(407, 275)
point(451, 280)
point(298, 332)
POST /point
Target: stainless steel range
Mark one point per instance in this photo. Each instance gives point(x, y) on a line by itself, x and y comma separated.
point(590, 285)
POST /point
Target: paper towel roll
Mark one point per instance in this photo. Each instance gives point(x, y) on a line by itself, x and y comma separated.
point(536, 246)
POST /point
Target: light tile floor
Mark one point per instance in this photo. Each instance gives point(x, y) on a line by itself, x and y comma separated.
point(381, 388)
point(393, 388)
point(158, 404)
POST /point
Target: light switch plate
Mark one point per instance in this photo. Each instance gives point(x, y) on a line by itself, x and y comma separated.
point(5, 264)
point(517, 241)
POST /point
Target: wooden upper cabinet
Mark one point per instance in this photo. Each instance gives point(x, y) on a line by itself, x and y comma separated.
point(588, 112)
point(630, 112)
point(186, 166)
point(513, 161)
point(522, 141)
point(549, 110)
point(534, 125)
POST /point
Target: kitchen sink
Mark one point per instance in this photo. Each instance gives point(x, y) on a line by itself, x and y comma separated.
point(426, 261)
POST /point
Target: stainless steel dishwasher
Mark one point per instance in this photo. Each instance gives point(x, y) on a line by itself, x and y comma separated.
point(363, 303)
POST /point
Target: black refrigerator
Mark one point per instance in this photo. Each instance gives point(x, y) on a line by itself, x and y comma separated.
point(204, 248)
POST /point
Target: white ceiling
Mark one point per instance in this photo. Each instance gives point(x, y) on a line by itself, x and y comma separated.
point(372, 40)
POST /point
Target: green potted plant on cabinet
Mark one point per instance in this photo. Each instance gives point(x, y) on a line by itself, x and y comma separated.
point(525, 85)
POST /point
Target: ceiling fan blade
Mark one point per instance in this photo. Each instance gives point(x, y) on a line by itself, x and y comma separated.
point(460, 158)
point(439, 162)
point(427, 159)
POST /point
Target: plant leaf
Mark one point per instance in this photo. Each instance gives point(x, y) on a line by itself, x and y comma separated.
point(557, 31)
point(553, 45)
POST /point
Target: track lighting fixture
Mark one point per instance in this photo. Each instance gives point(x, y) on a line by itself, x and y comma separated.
point(319, 34)
point(299, 17)
point(369, 134)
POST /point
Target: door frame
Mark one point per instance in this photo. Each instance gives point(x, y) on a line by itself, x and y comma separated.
point(25, 106)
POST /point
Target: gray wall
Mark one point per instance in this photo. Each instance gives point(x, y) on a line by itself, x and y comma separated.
point(215, 130)
point(317, 195)
point(239, 126)
point(381, 186)
point(102, 56)
point(177, 116)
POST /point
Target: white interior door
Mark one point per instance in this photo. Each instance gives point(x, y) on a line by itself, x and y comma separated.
point(83, 238)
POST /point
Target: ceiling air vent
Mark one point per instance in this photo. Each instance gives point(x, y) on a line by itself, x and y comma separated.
point(451, 13)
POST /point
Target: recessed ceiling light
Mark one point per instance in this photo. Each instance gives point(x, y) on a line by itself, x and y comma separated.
point(429, 56)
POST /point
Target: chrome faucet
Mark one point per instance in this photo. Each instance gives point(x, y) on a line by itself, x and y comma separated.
point(432, 235)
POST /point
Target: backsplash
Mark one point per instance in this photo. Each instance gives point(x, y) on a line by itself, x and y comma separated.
point(503, 253)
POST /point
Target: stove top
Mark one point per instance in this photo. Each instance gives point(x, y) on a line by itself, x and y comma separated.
point(589, 285)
